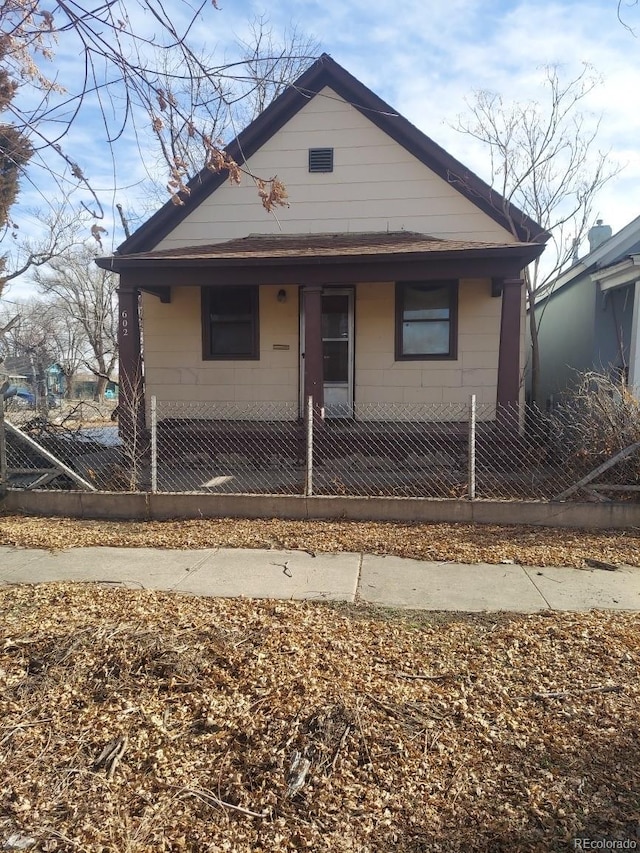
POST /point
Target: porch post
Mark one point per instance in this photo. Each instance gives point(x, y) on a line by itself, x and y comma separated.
point(313, 361)
point(131, 391)
point(509, 353)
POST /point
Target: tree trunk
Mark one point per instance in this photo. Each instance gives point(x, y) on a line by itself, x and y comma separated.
point(101, 385)
point(68, 383)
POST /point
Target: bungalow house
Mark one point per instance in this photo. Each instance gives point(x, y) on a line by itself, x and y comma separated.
point(393, 277)
point(589, 316)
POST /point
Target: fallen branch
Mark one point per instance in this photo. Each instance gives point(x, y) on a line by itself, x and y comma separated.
point(211, 799)
point(365, 745)
point(563, 694)
point(400, 715)
point(345, 734)
point(618, 457)
point(111, 755)
point(19, 726)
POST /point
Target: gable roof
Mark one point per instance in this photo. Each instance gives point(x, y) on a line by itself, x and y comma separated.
point(326, 72)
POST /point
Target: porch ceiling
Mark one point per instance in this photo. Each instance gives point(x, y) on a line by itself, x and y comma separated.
point(301, 258)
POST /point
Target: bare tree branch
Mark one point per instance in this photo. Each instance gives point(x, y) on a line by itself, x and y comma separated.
point(140, 73)
point(543, 160)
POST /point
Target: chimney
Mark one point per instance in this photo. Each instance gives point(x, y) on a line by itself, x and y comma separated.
point(598, 234)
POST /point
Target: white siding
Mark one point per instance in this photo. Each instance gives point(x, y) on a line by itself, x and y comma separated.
point(176, 371)
point(381, 379)
point(376, 185)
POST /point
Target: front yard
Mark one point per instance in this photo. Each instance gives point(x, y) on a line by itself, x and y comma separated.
point(143, 721)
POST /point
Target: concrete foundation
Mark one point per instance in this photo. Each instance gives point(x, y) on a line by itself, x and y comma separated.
point(140, 506)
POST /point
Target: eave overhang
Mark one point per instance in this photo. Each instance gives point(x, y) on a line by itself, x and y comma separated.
point(618, 275)
point(313, 259)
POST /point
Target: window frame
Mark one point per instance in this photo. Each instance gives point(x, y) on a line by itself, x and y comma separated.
point(207, 353)
point(452, 286)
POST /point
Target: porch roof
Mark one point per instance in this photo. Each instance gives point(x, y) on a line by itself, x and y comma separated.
point(269, 250)
point(321, 258)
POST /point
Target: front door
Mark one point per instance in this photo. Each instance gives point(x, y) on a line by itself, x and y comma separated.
point(337, 351)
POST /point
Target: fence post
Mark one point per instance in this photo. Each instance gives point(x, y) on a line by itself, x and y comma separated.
point(308, 480)
point(4, 478)
point(154, 445)
point(472, 448)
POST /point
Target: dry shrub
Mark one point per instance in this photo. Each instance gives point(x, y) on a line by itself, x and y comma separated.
point(600, 419)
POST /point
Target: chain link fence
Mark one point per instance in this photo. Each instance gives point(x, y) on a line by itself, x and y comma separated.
point(462, 451)
point(395, 450)
point(227, 447)
point(73, 444)
point(438, 451)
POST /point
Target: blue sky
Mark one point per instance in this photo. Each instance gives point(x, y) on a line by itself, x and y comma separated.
point(424, 57)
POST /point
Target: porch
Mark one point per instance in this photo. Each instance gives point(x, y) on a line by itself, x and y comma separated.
point(272, 318)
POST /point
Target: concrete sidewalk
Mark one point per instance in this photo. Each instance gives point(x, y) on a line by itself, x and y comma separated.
point(384, 581)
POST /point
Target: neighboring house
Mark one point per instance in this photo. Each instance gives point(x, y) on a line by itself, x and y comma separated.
point(20, 370)
point(85, 385)
point(588, 318)
point(393, 277)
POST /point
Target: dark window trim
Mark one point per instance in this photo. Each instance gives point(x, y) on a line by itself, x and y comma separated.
point(207, 355)
point(452, 355)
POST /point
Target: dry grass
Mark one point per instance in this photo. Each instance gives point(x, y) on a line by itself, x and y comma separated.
point(516, 734)
point(467, 543)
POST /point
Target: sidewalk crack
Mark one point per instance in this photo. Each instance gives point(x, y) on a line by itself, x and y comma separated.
point(196, 567)
point(536, 587)
point(356, 593)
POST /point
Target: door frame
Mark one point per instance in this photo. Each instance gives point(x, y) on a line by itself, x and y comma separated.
point(331, 290)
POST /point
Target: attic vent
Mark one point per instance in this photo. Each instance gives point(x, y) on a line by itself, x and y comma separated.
point(321, 159)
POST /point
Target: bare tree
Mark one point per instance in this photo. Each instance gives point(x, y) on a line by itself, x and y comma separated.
point(30, 343)
point(271, 63)
point(118, 46)
point(57, 232)
point(267, 63)
point(87, 297)
point(543, 159)
point(67, 339)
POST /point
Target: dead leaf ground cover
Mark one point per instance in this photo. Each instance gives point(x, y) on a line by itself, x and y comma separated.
point(467, 543)
point(233, 725)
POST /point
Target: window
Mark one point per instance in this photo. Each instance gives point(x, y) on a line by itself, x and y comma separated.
point(426, 315)
point(230, 323)
point(321, 159)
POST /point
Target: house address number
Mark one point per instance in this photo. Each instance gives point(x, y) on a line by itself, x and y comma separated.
point(124, 323)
